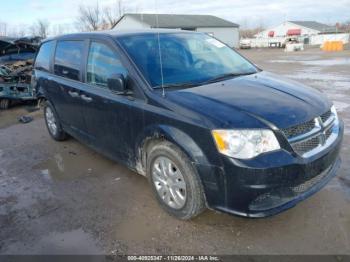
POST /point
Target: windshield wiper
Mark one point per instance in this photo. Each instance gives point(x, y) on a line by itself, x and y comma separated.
point(211, 80)
point(226, 76)
point(184, 85)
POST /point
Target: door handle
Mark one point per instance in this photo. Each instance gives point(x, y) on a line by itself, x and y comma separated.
point(86, 98)
point(73, 94)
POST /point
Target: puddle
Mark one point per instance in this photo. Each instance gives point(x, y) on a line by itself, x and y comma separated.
point(72, 165)
point(311, 62)
point(313, 75)
point(328, 62)
point(319, 74)
point(325, 80)
point(75, 242)
point(342, 85)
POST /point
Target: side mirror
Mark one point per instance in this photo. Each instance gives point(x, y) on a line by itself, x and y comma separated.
point(117, 83)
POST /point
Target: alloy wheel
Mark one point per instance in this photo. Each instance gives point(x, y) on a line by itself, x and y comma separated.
point(169, 182)
point(51, 121)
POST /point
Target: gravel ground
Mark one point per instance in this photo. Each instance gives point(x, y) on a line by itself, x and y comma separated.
point(63, 198)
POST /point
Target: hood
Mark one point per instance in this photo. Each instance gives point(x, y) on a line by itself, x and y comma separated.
point(281, 102)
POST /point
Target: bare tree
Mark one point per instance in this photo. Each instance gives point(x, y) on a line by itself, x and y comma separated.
point(89, 18)
point(43, 28)
point(21, 31)
point(17, 30)
point(40, 28)
point(250, 33)
point(344, 26)
point(3, 29)
point(111, 14)
point(92, 18)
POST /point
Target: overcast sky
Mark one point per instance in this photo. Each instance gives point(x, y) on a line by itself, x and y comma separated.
point(245, 12)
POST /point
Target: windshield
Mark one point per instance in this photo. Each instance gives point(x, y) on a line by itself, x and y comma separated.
point(187, 58)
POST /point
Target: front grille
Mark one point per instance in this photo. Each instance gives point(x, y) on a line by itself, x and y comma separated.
point(312, 134)
point(299, 129)
point(311, 182)
point(326, 116)
point(279, 196)
point(328, 133)
point(305, 146)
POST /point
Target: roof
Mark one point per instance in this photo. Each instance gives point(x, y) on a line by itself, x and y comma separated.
point(117, 33)
point(180, 21)
point(323, 28)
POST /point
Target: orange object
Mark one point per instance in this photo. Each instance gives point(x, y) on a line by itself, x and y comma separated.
point(219, 140)
point(333, 46)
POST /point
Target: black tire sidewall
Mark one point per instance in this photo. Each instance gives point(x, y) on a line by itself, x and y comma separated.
point(4, 103)
point(60, 134)
point(194, 194)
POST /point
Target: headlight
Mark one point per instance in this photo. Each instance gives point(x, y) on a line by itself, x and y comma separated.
point(245, 143)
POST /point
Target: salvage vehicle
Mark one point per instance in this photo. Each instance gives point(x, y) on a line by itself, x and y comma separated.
point(203, 124)
point(16, 63)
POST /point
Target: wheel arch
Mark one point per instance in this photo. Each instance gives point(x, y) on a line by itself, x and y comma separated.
point(154, 134)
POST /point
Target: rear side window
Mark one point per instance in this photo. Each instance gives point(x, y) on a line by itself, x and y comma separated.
point(68, 59)
point(103, 62)
point(42, 61)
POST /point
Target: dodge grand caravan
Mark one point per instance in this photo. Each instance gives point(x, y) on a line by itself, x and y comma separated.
point(204, 125)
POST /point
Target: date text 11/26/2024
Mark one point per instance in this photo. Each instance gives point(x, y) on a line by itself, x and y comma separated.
point(173, 258)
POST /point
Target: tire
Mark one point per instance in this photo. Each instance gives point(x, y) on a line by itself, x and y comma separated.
point(183, 184)
point(4, 103)
point(53, 123)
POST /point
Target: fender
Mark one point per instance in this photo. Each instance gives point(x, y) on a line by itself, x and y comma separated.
point(212, 178)
point(171, 134)
point(40, 93)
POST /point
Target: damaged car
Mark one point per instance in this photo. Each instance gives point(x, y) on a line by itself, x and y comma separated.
point(16, 64)
point(202, 123)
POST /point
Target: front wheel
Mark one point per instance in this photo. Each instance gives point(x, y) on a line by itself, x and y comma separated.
point(174, 181)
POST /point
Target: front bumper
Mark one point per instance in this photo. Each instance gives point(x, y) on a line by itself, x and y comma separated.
point(270, 184)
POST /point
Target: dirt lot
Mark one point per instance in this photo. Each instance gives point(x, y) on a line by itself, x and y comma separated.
point(63, 198)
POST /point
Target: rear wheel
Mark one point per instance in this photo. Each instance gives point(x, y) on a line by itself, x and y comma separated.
point(4, 103)
point(174, 181)
point(53, 124)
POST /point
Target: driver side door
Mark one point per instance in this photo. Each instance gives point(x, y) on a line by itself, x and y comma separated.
point(106, 113)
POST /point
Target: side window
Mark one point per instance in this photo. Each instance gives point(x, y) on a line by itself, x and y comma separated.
point(42, 61)
point(68, 59)
point(102, 64)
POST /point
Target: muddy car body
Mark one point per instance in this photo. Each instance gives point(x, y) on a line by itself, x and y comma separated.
point(204, 125)
point(16, 59)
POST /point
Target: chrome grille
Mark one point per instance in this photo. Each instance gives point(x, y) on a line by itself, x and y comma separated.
point(305, 146)
point(328, 133)
point(310, 137)
point(326, 116)
point(299, 129)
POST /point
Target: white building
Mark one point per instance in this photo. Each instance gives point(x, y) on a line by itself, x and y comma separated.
point(298, 28)
point(223, 30)
point(308, 32)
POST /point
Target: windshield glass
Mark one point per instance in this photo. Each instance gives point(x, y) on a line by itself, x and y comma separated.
point(187, 58)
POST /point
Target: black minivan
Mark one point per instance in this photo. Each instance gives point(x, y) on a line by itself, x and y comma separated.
point(204, 125)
